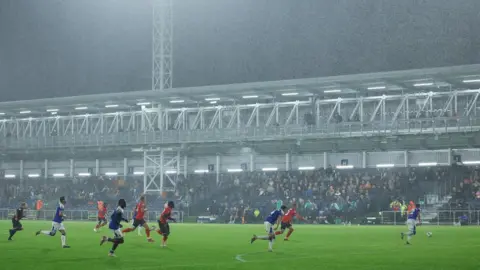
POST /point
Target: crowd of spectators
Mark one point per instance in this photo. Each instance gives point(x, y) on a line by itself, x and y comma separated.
point(324, 195)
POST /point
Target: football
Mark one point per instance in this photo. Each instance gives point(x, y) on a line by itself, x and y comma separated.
point(429, 234)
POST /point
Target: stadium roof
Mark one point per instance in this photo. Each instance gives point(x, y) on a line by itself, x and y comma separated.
point(395, 82)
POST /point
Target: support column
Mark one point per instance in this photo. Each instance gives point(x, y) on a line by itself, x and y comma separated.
point(325, 160)
point(287, 161)
point(162, 169)
point(217, 168)
point(22, 179)
point(364, 159)
point(450, 154)
point(72, 164)
point(185, 166)
point(125, 168)
point(21, 170)
point(405, 161)
point(45, 166)
point(145, 171)
point(252, 162)
point(97, 167)
point(179, 162)
point(142, 119)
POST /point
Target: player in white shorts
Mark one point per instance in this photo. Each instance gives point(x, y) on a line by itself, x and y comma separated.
point(57, 223)
point(413, 215)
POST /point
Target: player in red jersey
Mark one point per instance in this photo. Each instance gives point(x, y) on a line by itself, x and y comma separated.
point(139, 220)
point(287, 221)
point(102, 220)
point(163, 227)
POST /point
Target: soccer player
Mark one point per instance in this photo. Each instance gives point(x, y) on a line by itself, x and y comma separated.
point(413, 215)
point(102, 220)
point(115, 220)
point(139, 220)
point(270, 221)
point(57, 224)
point(134, 215)
point(287, 221)
point(17, 226)
point(163, 227)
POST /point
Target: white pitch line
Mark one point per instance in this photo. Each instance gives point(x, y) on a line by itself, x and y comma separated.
point(239, 258)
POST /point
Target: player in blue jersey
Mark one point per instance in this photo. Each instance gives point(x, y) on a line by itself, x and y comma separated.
point(413, 215)
point(57, 224)
point(274, 218)
point(115, 225)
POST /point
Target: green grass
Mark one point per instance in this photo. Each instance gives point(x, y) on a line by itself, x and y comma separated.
point(206, 246)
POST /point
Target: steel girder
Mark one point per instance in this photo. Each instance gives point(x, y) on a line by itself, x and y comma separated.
point(431, 112)
point(215, 117)
point(162, 168)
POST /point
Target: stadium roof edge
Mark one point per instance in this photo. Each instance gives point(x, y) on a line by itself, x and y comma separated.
point(245, 88)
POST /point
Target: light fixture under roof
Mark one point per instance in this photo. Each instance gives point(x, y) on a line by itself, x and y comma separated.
point(386, 165)
point(52, 110)
point(212, 99)
point(81, 108)
point(333, 91)
point(2, 113)
point(25, 112)
point(253, 96)
point(58, 175)
point(54, 113)
point(111, 106)
point(177, 101)
point(143, 103)
point(423, 84)
point(289, 94)
point(427, 164)
point(306, 168)
point(471, 81)
point(471, 162)
point(342, 167)
point(213, 102)
point(10, 176)
point(380, 87)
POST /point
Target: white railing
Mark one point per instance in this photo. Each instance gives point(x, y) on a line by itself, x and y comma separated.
point(81, 215)
point(439, 217)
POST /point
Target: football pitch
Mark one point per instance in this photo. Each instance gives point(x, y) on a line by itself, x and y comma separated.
point(211, 246)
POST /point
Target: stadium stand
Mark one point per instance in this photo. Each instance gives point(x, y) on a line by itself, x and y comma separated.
point(322, 195)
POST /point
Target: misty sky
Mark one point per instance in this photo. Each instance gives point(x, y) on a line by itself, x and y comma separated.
point(54, 48)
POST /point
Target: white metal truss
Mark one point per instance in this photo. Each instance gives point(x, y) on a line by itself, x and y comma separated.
point(162, 167)
point(391, 109)
point(162, 45)
point(387, 110)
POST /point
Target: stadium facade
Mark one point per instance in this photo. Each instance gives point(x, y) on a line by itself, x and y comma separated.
point(402, 118)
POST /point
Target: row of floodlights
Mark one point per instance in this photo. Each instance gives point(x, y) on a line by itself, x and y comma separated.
point(421, 84)
point(36, 175)
point(268, 169)
point(55, 111)
point(214, 100)
point(311, 168)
